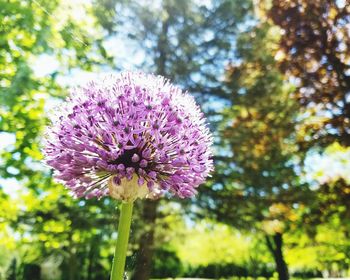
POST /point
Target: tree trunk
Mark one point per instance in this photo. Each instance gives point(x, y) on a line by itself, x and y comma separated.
point(72, 265)
point(276, 250)
point(143, 267)
point(72, 259)
point(91, 258)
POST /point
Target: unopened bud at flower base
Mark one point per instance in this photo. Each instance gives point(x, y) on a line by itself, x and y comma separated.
point(127, 190)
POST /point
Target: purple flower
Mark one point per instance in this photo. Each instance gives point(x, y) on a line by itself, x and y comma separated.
point(130, 135)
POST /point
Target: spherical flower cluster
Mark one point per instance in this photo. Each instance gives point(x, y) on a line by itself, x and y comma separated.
point(129, 135)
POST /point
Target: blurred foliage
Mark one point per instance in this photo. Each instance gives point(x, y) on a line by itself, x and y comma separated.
point(232, 248)
point(28, 30)
point(186, 41)
point(256, 179)
point(166, 264)
point(42, 221)
point(272, 77)
point(314, 50)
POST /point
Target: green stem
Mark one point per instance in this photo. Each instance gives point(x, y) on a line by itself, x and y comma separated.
point(122, 241)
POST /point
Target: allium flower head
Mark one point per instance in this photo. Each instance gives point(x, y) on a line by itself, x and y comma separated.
point(130, 135)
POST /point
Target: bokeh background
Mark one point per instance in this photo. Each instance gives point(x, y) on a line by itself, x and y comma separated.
point(273, 78)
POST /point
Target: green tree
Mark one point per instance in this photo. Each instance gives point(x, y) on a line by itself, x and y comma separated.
point(28, 30)
point(256, 184)
point(47, 220)
point(185, 41)
point(327, 217)
point(314, 52)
